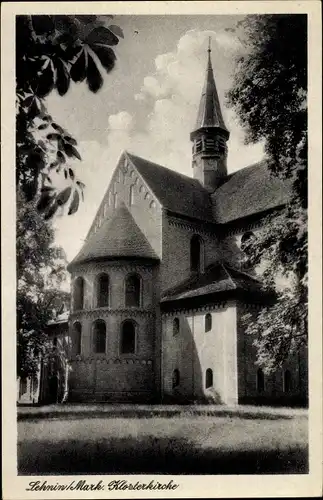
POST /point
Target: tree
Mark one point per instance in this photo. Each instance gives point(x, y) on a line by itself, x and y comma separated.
point(269, 94)
point(52, 52)
point(40, 273)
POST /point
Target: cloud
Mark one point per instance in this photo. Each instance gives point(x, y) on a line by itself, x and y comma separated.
point(121, 121)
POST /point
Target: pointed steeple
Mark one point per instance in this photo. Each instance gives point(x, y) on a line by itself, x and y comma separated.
point(210, 135)
point(209, 112)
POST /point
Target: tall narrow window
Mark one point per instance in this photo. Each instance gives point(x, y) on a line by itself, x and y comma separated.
point(77, 338)
point(103, 291)
point(128, 337)
point(208, 378)
point(99, 336)
point(196, 252)
point(208, 322)
point(175, 326)
point(132, 195)
point(260, 380)
point(175, 378)
point(132, 290)
point(287, 381)
point(79, 294)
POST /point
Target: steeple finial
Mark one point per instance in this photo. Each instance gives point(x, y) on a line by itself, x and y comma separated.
point(209, 47)
point(209, 113)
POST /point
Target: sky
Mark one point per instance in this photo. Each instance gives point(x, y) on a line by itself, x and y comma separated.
point(148, 106)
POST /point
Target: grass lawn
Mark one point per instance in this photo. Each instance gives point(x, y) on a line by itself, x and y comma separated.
point(173, 445)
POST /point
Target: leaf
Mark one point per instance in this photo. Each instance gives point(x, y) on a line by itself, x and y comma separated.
point(78, 69)
point(71, 151)
point(71, 173)
point(87, 19)
point(102, 35)
point(75, 203)
point(106, 56)
point(62, 77)
point(45, 82)
point(51, 211)
point(63, 197)
point(28, 101)
point(116, 30)
point(42, 24)
point(60, 157)
point(66, 24)
point(70, 139)
point(53, 136)
point(58, 128)
point(45, 200)
point(43, 126)
point(94, 78)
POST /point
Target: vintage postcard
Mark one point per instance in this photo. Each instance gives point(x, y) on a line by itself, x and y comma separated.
point(161, 255)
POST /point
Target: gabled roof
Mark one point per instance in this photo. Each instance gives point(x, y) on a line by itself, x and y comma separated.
point(249, 191)
point(118, 237)
point(209, 113)
point(218, 278)
point(176, 192)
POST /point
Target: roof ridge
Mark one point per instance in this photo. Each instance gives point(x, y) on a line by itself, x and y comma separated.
point(243, 273)
point(228, 274)
point(162, 166)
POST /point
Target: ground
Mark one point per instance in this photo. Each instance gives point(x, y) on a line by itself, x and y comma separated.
point(108, 439)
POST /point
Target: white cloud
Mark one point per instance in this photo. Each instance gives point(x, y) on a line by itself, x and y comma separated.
point(121, 121)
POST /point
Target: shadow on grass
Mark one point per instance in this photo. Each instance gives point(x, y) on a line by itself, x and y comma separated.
point(153, 456)
point(58, 415)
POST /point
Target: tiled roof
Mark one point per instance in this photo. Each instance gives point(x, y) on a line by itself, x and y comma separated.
point(117, 237)
point(176, 192)
point(61, 318)
point(218, 278)
point(249, 191)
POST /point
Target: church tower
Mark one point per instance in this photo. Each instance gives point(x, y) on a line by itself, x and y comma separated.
point(210, 135)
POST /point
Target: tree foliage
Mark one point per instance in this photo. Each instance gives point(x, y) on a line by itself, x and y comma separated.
point(51, 53)
point(269, 94)
point(40, 273)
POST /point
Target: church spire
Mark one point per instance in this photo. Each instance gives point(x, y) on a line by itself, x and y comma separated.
point(210, 134)
point(209, 112)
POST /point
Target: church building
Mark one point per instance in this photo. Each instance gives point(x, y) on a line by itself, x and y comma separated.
point(161, 284)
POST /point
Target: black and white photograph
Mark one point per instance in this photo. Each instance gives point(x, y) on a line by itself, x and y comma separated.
point(161, 283)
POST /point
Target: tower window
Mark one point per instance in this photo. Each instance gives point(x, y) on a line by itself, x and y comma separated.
point(99, 336)
point(196, 252)
point(175, 378)
point(175, 326)
point(128, 337)
point(79, 294)
point(287, 381)
point(132, 195)
point(103, 290)
point(208, 322)
point(77, 337)
point(198, 146)
point(208, 378)
point(260, 380)
point(133, 290)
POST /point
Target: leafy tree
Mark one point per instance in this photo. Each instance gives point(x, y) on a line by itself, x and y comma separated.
point(40, 273)
point(269, 94)
point(52, 52)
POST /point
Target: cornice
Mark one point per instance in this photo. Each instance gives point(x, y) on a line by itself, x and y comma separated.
point(103, 359)
point(193, 226)
point(106, 311)
point(127, 267)
point(208, 308)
